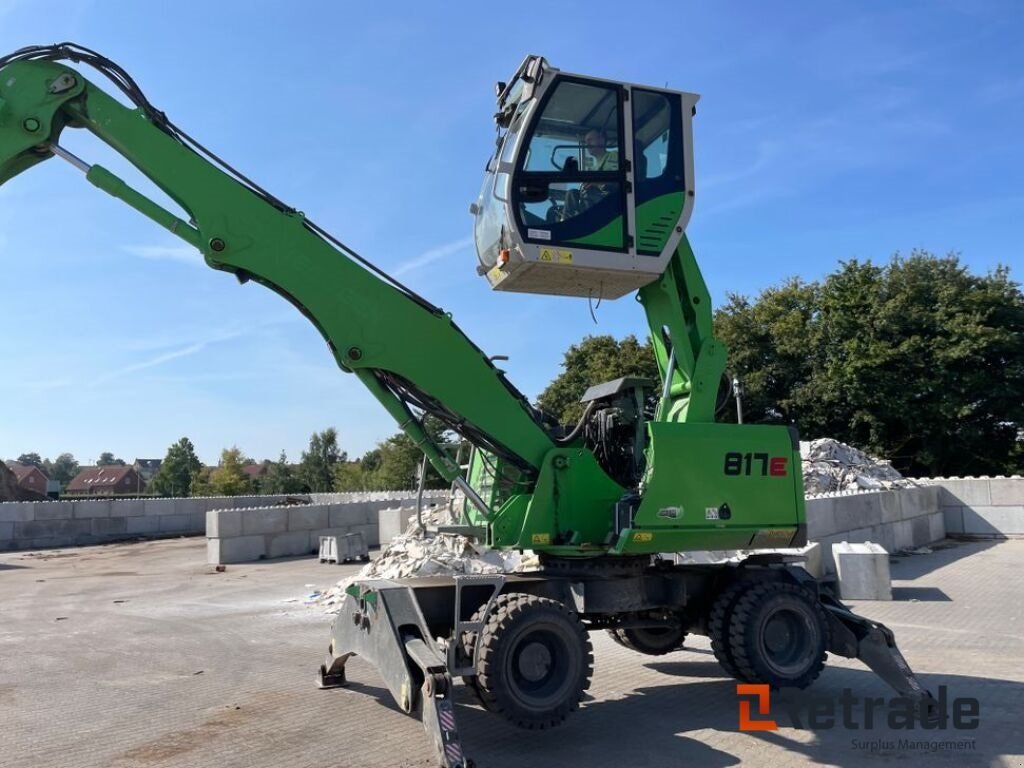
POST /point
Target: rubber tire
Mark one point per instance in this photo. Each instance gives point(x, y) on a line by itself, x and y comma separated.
point(807, 634)
point(468, 641)
point(650, 641)
point(719, 620)
point(564, 639)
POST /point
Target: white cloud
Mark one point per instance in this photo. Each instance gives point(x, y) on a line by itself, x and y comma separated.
point(429, 257)
point(180, 253)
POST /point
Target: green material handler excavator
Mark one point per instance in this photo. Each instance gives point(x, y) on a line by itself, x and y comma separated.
point(588, 194)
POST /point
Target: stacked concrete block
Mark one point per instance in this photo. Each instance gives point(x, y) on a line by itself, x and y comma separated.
point(981, 507)
point(907, 518)
point(243, 535)
point(41, 524)
point(862, 571)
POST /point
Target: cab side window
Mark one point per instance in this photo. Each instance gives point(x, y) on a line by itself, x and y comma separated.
point(658, 175)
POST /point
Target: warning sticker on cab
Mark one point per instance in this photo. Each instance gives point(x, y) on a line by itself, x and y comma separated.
point(540, 538)
point(555, 256)
point(643, 536)
point(538, 234)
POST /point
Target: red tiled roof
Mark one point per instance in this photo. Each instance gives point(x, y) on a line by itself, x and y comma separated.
point(92, 478)
point(23, 472)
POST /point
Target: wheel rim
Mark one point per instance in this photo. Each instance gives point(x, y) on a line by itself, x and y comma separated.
point(788, 638)
point(540, 667)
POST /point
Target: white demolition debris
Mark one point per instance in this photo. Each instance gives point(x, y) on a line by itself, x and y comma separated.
point(829, 465)
point(420, 553)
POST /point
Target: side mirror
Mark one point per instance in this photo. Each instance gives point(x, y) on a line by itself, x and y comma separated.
point(499, 88)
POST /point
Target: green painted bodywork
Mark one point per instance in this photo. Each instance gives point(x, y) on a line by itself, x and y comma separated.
point(608, 236)
point(655, 221)
point(553, 498)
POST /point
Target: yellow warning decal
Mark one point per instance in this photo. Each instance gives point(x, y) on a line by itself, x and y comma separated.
point(643, 536)
point(540, 538)
point(495, 275)
point(546, 254)
point(565, 257)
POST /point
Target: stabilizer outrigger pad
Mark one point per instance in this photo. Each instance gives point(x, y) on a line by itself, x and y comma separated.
point(381, 621)
point(874, 644)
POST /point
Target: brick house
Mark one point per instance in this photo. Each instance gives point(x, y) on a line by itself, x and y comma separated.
point(29, 478)
point(106, 481)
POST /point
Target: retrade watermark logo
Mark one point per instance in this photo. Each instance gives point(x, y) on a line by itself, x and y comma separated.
point(809, 711)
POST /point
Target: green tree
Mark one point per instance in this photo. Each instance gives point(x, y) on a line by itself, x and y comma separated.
point(316, 470)
point(107, 459)
point(594, 360)
point(62, 469)
point(399, 460)
point(200, 484)
point(179, 468)
point(917, 360)
point(280, 478)
point(229, 478)
point(31, 460)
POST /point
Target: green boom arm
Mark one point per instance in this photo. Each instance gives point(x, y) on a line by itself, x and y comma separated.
point(402, 348)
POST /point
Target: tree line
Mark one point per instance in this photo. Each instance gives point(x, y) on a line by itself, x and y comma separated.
point(917, 360)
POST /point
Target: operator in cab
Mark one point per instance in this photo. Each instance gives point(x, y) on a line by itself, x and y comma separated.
point(596, 142)
point(599, 160)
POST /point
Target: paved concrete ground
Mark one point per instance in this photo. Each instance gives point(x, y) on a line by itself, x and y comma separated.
point(142, 655)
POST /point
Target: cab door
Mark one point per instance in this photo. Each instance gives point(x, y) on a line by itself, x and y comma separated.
point(570, 186)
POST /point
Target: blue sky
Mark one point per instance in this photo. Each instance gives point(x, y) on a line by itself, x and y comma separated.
point(826, 131)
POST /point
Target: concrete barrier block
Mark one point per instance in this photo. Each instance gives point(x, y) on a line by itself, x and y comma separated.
point(349, 514)
point(370, 532)
point(242, 549)
point(264, 521)
point(967, 491)
point(43, 529)
point(128, 508)
point(197, 522)
point(17, 512)
point(915, 502)
point(954, 517)
point(936, 527)
point(142, 525)
point(188, 507)
point(861, 510)
point(289, 544)
point(49, 542)
point(883, 535)
point(920, 531)
point(903, 535)
point(109, 526)
point(158, 507)
point(223, 523)
point(892, 508)
point(173, 523)
point(1007, 491)
point(54, 510)
point(308, 518)
point(6, 531)
point(90, 508)
point(821, 517)
point(993, 521)
point(392, 522)
point(862, 570)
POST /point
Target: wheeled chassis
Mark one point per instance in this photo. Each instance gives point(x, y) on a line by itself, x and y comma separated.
point(414, 630)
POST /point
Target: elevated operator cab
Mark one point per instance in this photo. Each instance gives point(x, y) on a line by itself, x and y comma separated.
point(591, 185)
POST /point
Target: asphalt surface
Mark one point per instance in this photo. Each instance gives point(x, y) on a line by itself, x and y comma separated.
point(142, 655)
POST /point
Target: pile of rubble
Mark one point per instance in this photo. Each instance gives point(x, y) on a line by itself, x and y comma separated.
point(418, 552)
point(829, 466)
